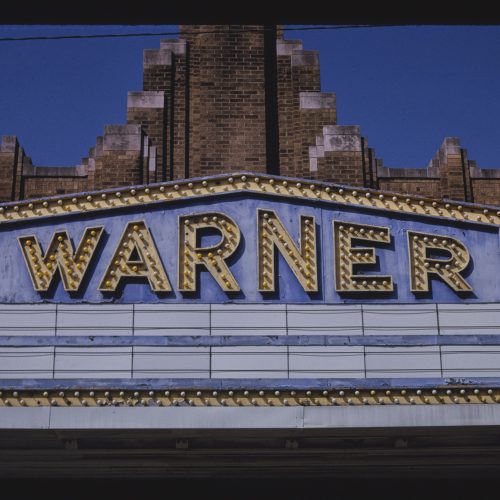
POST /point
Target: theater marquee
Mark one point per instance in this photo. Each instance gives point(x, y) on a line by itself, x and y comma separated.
point(247, 239)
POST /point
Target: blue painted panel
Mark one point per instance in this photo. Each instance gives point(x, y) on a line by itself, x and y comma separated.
point(250, 340)
point(162, 219)
point(273, 384)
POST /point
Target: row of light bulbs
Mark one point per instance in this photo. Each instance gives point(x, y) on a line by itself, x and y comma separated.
point(251, 398)
point(169, 191)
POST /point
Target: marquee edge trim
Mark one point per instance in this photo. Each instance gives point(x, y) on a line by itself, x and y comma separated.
point(241, 182)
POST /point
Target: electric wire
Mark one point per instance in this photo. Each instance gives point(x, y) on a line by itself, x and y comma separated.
point(207, 32)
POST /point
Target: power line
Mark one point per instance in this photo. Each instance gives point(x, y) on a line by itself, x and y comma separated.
point(176, 33)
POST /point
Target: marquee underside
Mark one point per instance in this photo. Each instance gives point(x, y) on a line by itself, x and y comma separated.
point(372, 456)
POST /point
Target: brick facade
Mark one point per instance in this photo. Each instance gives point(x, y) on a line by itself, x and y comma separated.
point(231, 98)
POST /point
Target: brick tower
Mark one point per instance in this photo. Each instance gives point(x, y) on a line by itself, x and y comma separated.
point(225, 98)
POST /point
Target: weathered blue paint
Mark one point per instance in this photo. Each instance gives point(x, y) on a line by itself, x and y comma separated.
point(249, 340)
point(157, 384)
point(481, 240)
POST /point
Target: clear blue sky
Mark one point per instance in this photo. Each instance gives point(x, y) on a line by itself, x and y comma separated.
point(407, 87)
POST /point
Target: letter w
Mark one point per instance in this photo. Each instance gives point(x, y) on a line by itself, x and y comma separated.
point(60, 255)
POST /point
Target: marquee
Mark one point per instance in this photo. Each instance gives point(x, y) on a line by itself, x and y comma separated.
point(243, 238)
point(244, 290)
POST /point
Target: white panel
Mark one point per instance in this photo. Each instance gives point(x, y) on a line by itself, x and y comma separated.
point(25, 418)
point(172, 319)
point(84, 319)
point(26, 362)
point(27, 319)
point(292, 417)
point(324, 320)
point(469, 319)
point(401, 362)
point(471, 361)
point(173, 417)
point(171, 362)
point(93, 362)
point(255, 319)
point(418, 319)
point(321, 362)
point(249, 362)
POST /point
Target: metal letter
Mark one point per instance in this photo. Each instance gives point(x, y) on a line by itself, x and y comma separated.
point(346, 256)
point(421, 265)
point(60, 255)
point(212, 258)
point(136, 256)
point(271, 234)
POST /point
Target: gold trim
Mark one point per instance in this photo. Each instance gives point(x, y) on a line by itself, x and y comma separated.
point(287, 188)
point(243, 398)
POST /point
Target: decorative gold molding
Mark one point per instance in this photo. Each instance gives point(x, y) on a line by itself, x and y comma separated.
point(279, 186)
point(243, 398)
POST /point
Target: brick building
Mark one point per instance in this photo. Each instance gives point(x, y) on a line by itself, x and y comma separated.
point(233, 98)
point(349, 337)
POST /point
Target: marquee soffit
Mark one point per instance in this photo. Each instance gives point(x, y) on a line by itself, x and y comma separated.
point(248, 182)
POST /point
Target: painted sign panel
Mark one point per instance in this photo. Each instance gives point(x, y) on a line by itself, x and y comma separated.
point(217, 241)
